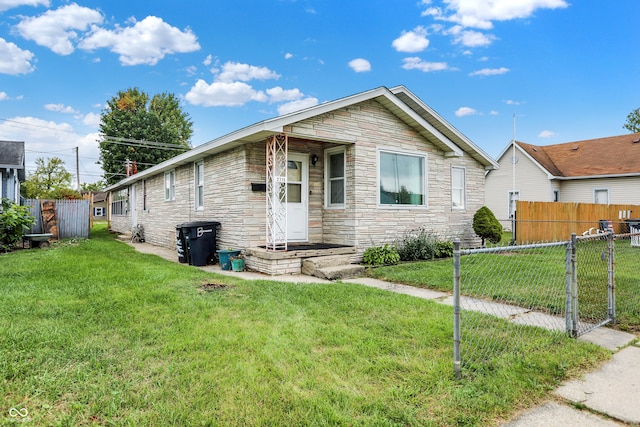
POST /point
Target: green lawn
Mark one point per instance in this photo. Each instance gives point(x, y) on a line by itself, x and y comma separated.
point(535, 278)
point(94, 333)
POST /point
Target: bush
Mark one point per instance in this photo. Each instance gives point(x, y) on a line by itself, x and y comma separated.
point(14, 221)
point(419, 245)
point(381, 255)
point(487, 226)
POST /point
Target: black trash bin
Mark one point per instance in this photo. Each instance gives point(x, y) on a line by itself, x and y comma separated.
point(181, 244)
point(200, 241)
point(633, 225)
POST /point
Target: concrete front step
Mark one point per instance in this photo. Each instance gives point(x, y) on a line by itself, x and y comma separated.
point(339, 271)
point(331, 267)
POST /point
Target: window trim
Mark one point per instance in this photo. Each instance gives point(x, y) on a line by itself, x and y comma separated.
point(198, 202)
point(510, 199)
point(120, 202)
point(595, 190)
point(464, 188)
point(170, 190)
point(327, 181)
point(425, 171)
point(98, 211)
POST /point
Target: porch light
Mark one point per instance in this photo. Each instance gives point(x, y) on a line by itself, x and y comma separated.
point(314, 159)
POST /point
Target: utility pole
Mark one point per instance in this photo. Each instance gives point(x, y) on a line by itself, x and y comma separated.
point(77, 170)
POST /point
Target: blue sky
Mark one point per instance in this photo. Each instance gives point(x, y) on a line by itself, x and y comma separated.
point(566, 70)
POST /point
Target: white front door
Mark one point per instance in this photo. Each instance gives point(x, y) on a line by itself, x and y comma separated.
point(297, 197)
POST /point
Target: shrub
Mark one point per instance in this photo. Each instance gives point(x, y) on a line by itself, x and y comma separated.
point(381, 255)
point(418, 245)
point(14, 220)
point(487, 226)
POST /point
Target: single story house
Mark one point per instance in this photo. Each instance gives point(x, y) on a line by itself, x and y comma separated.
point(358, 171)
point(12, 169)
point(99, 199)
point(603, 170)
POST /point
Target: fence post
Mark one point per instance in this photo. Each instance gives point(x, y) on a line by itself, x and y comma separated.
point(571, 288)
point(456, 309)
point(611, 311)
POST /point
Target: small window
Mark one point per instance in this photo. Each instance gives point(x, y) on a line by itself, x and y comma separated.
point(402, 179)
point(119, 202)
point(601, 196)
point(336, 178)
point(98, 211)
point(514, 196)
point(458, 188)
point(556, 195)
point(144, 195)
point(199, 184)
point(170, 185)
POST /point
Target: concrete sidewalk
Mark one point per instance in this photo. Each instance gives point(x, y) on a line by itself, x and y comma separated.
point(610, 395)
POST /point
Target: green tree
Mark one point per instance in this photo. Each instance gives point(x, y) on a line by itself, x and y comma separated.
point(487, 226)
point(633, 121)
point(51, 180)
point(93, 186)
point(131, 117)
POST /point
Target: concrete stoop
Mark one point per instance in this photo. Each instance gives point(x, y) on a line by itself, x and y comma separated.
point(331, 267)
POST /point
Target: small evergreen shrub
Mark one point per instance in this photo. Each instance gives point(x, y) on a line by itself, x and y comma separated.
point(487, 226)
point(381, 255)
point(444, 249)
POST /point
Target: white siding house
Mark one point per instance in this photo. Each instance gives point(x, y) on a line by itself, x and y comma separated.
point(604, 170)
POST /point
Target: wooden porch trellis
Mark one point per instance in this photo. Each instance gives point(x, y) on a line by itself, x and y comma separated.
point(277, 156)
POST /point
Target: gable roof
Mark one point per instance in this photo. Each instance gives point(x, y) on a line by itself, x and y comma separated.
point(399, 100)
point(12, 157)
point(615, 155)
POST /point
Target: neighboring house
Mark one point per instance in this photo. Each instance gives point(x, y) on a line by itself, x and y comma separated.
point(99, 206)
point(12, 170)
point(603, 170)
point(360, 171)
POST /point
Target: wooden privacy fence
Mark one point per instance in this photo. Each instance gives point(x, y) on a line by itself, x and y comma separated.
point(73, 217)
point(553, 221)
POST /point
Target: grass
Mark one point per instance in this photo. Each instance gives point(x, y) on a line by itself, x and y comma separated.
point(94, 333)
point(536, 278)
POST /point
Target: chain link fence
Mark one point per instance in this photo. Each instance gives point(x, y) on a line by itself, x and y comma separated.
point(512, 300)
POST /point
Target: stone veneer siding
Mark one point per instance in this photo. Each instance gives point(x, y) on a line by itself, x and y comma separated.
point(364, 128)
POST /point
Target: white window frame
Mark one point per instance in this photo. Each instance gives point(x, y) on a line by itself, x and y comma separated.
point(145, 207)
point(511, 202)
point(120, 202)
point(170, 185)
point(328, 180)
point(98, 211)
point(463, 190)
point(595, 192)
point(425, 172)
point(198, 184)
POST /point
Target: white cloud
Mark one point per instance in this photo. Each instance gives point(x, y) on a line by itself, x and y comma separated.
point(465, 111)
point(43, 137)
point(234, 71)
point(360, 65)
point(207, 60)
point(415, 63)
point(481, 13)
point(494, 113)
point(146, 42)
point(470, 38)
point(547, 134)
point(60, 108)
point(9, 4)
point(288, 55)
point(4, 96)
point(512, 102)
point(290, 107)
point(14, 60)
point(91, 120)
point(191, 70)
point(218, 93)
point(412, 41)
point(277, 94)
point(490, 71)
point(55, 29)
